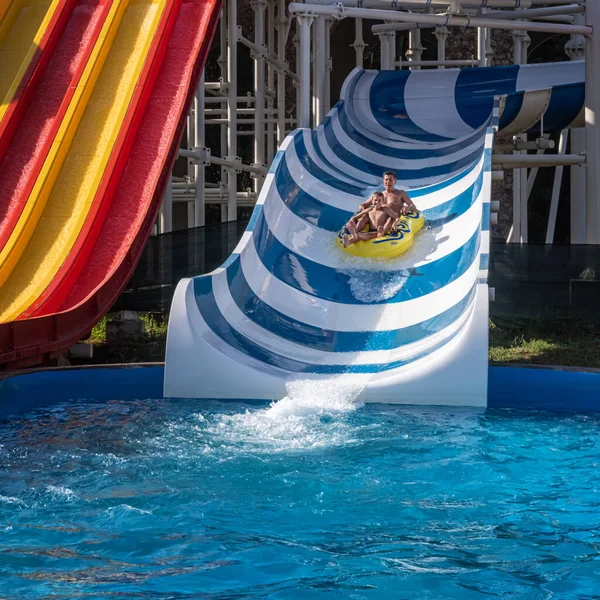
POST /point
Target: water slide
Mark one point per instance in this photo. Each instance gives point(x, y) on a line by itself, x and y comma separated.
point(96, 95)
point(290, 306)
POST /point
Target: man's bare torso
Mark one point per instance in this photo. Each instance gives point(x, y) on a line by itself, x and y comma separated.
point(396, 200)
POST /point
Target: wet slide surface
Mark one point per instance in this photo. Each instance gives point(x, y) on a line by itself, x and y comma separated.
point(30, 143)
point(290, 306)
point(72, 240)
point(144, 166)
point(21, 28)
point(76, 180)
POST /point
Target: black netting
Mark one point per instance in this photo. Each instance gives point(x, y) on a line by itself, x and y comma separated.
point(539, 280)
point(531, 280)
point(172, 256)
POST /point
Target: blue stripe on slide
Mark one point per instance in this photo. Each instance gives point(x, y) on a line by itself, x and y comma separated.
point(324, 282)
point(329, 340)
point(317, 150)
point(402, 173)
point(214, 319)
point(330, 218)
point(403, 153)
point(386, 99)
point(485, 217)
point(566, 102)
point(307, 163)
point(512, 107)
point(475, 90)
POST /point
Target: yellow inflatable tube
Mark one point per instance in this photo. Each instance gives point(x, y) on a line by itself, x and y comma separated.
point(390, 245)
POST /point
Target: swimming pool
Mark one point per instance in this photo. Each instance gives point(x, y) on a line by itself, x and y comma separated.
point(313, 497)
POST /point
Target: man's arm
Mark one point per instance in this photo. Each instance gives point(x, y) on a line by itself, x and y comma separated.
point(389, 211)
point(409, 202)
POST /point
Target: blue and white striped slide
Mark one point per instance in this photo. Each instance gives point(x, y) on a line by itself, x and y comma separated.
point(289, 305)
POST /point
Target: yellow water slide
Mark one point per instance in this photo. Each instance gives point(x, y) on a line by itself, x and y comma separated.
point(62, 196)
point(23, 24)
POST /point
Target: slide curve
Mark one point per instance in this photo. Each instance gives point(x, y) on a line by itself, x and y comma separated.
point(290, 305)
point(94, 129)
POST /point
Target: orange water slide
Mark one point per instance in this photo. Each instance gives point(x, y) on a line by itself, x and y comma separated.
point(73, 238)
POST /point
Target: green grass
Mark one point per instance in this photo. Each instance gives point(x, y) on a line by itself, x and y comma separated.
point(147, 347)
point(571, 343)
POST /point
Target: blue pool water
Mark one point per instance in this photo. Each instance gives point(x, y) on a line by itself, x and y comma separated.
point(307, 499)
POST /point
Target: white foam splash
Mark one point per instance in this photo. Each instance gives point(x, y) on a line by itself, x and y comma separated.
point(376, 286)
point(12, 500)
point(127, 508)
point(61, 491)
point(313, 414)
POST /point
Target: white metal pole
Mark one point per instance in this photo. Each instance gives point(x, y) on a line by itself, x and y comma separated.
point(384, 52)
point(441, 33)
point(483, 34)
point(281, 41)
point(340, 12)
point(359, 42)
point(415, 48)
point(304, 23)
point(558, 174)
point(232, 107)
point(191, 171)
point(592, 124)
point(327, 78)
point(165, 222)
point(259, 89)
point(391, 48)
point(535, 13)
point(199, 169)
point(320, 66)
point(525, 41)
point(410, 4)
point(296, 42)
point(518, 193)
point(271, 128)
point(314, 85)
point(575, 50)
point(223, 64)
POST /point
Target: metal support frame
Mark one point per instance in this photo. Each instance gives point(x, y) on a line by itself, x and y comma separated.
point(165, 216)
point(199, 170)
point(259, 89)
point(232, 106)
point(261, 113)
point(441, 34)
point(562, 148)
point(271, 130)
point(483, 43)
point(320, 72)
point(359, 43)
point(592, 125)
point(415, 48)
point(282, 33)
point(304, 23)
point(575, 50)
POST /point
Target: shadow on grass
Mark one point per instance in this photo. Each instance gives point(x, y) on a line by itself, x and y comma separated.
point(571, 342)
point(146, 347)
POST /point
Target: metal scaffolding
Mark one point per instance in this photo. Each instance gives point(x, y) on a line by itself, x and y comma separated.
point(265, 114)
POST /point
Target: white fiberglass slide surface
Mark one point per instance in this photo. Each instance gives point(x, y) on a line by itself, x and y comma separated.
point(290, 305)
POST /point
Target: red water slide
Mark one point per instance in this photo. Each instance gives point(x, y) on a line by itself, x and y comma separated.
point(129, 197)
